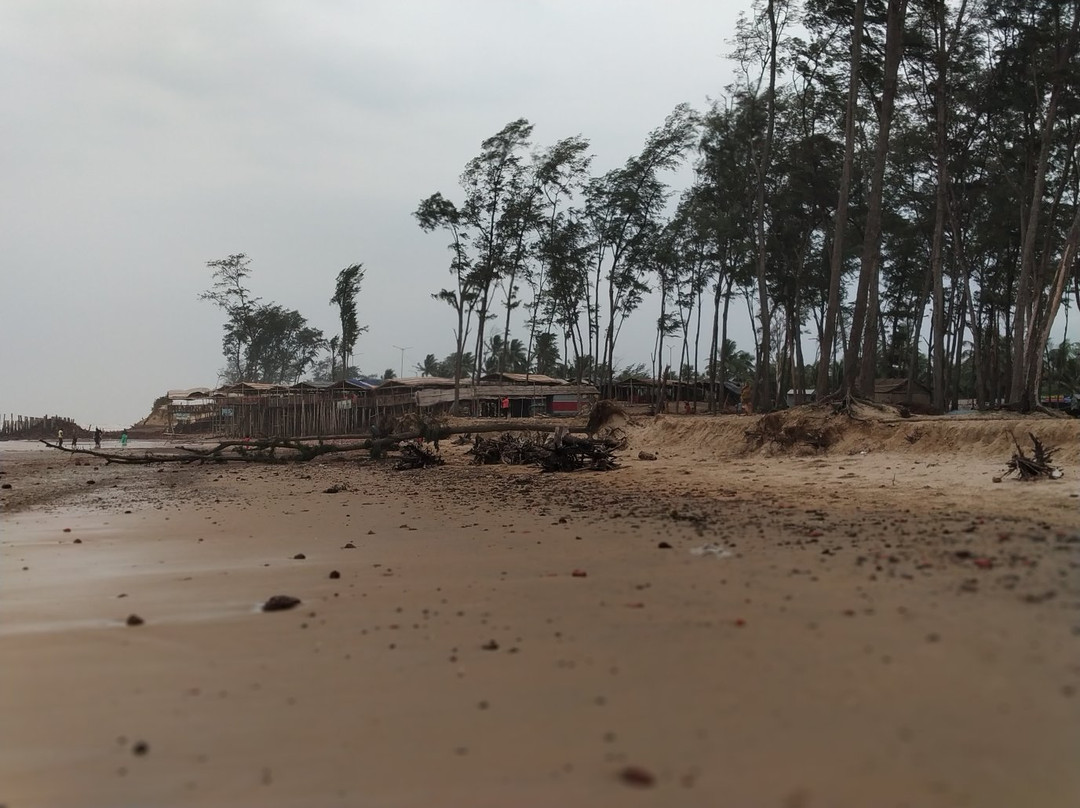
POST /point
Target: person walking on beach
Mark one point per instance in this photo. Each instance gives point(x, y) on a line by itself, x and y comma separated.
point(97, 437)
point(123, 438)
point(60, 438)
point(74, 438)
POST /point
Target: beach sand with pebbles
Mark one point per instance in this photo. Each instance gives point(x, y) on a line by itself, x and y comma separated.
point(876, 624)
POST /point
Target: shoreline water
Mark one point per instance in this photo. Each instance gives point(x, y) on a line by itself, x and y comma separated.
point(498, 636)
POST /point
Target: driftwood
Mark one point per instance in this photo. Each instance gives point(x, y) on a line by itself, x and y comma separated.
point(253, 451)
point(284, 450)
point(417, 456)
point(1033, 468)
point(562, 452)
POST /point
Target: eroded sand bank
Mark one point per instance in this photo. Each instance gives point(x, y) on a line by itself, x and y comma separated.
point(881, 624)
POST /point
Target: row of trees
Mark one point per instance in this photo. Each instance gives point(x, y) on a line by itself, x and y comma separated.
point(874, 161)
point(266, 342)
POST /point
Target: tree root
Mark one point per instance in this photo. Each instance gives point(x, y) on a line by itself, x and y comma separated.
point(1033, 468)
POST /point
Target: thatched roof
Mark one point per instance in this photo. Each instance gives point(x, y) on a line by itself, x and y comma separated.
point(190, 392)
point(897, 386)
point(522, 378)
point(418, 382)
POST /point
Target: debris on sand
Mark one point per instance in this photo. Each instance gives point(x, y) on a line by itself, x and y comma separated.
point(134, 620)
point(779, 429)
point(1033, 468)
point(417, 456)
point(562, 452)
point(637, 776)
point(337, 488)
point(280, 603)
point(713, 549)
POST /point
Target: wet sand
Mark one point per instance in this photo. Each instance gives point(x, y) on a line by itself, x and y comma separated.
point(881, 624)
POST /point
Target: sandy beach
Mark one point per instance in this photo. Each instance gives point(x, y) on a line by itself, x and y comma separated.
point(878, 624)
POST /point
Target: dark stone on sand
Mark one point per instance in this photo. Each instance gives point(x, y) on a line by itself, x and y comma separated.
point(348, 546)
point(140, 748)
point(638, 777)
point(134, 620)
point(299, 556)
point(334, 574)
point(279, 603)
point(6, 485)
point(91, 482)
point(77, 541)
point(663, 546)
point(490, 645)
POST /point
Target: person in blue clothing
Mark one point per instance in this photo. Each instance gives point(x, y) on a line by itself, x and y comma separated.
point(123, 438)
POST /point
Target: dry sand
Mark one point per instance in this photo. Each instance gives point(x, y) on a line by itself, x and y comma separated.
point(880, 624)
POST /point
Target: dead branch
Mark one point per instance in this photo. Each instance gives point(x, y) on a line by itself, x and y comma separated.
point(1033, 468)
point(563, 452)
point(417, 456)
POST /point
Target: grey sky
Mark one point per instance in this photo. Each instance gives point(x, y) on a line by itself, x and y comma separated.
point(140, 140)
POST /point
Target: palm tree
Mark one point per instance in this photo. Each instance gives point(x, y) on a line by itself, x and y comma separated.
point(511, 356)
point(430, 366)
point(547, 353)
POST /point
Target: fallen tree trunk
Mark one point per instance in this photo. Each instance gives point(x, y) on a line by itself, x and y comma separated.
point(303, 449)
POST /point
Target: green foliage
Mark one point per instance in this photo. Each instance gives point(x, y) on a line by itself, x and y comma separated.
point(967, 216)
point(345, 291)
point(262, 341)
point(546, 354)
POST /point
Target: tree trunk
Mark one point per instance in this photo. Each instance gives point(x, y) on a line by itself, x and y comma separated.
point(764, 387)
point(940, 202)
point(1027, 329)
point(828, 336)
point(863, 327)
point(713, 350)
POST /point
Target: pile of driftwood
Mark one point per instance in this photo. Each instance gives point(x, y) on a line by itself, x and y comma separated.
point(560, 452)
point(1033, 468)
point(417, 456)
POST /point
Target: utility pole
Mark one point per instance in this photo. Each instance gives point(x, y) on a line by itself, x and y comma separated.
point(401, 371)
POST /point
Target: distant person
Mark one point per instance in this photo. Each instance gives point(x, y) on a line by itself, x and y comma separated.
point(74, 438)
point(97, 437)
point(506, 407)
point(123, 438)
point(60, 438)
point(746, 398)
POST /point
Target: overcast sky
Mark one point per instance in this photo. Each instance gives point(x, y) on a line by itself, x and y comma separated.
point(140, 140)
